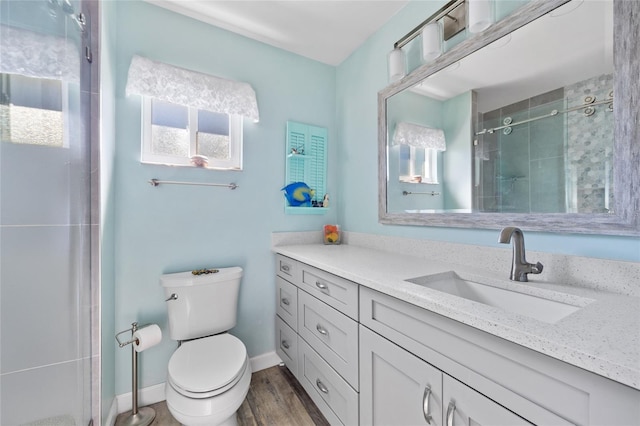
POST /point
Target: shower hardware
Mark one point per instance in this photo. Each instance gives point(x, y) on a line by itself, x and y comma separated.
point(588, 109)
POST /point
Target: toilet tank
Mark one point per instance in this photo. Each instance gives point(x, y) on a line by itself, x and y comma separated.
point(203, 304)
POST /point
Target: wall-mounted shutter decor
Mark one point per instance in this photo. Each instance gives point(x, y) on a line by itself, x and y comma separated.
point(306, 161)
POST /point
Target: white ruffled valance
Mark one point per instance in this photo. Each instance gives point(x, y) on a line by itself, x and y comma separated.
point(38, 55)
point(191, 88)
point(419, 136)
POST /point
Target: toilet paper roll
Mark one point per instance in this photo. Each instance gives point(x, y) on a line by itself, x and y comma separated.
point(147, 337)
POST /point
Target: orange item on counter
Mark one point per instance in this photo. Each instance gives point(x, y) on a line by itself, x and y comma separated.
point(331, 234)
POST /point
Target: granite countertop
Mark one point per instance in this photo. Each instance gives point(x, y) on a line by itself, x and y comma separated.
point(603, 336)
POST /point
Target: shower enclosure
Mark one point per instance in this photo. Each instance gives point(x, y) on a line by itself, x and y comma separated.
point(47, 354)
point(552, 153)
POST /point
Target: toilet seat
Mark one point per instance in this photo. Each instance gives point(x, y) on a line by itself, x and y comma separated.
point(207, 367)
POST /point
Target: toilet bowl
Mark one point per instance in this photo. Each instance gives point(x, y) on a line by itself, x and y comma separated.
point(209, 374)
point(208, 379)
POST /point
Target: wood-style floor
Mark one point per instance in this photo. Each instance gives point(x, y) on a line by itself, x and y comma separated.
point(275, 398)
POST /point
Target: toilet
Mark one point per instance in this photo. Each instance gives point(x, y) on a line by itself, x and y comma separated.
point(209, 374)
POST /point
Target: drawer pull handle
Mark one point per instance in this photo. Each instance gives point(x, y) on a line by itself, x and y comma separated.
point(321, 330)
point(285, 344)
point(285, 301)
point(321, 285)
point(285, 268)
point(450, 411)
point(321, 386)
point(425, 404)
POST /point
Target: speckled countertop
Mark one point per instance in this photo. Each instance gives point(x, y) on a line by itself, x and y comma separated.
point(603, 336)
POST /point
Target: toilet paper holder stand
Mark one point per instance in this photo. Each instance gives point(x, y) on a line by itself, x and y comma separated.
point(145, 415)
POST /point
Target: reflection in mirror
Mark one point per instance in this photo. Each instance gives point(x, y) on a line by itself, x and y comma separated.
point(528, 122)
point(533, 135)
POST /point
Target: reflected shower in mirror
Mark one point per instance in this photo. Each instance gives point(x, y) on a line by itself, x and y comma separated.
point(540, 130)
point(528, 122)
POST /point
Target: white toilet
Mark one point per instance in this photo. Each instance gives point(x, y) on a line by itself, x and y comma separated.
point(209, 374)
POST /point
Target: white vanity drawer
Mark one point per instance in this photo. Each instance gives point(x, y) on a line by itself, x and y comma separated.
point(333, 396)
point(287, 345)
point(287, 268)
point(287, 303)
point(335, 291)
point(332, 334)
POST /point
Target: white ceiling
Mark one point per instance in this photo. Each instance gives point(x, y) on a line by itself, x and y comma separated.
point(327, 31)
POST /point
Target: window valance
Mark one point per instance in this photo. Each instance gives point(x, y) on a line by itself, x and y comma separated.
point(38, 55)
point(419, 136)
point(190, 88)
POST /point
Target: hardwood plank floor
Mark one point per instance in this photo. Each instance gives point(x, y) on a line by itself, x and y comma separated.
point(275, 398)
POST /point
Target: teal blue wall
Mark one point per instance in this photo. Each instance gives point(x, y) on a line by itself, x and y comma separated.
point(358, 80)
point(176, 228)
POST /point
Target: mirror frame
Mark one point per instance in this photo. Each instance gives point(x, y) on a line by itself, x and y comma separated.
point(625, 218)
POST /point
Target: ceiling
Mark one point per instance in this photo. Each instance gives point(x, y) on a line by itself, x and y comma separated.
point(327, 31)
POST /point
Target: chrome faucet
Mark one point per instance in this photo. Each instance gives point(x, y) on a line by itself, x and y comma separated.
point(519, 265)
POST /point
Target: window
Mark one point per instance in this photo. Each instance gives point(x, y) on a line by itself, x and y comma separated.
point(33, 111)
point(173, 134)
point(418, 165)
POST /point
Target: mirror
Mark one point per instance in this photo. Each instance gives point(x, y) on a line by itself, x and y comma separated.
point(529, 123)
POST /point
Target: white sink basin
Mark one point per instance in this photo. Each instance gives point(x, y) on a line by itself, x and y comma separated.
point(543, 308)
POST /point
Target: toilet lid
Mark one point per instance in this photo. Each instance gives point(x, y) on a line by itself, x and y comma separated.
point(207, 364)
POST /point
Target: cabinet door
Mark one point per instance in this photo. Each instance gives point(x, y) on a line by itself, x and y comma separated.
point(465, 406)
point(396, 387)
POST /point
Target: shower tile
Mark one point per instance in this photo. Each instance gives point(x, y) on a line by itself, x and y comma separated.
point(547, 185)
point(39, 296)
point(41, 393)
point(551, 96)
point(515, 108)
point(547, 138)
point(36, 185)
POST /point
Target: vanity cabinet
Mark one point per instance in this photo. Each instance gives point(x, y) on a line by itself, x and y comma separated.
point(399, 388)
point(489, 373)
point(367, 358)
point(317, 336)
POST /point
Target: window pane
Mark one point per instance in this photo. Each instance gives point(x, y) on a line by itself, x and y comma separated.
point(213, 135)
point(213, 146)
point(169, 129)
point(169, 115)
point(31, 110)
point(169, 141)
point(213, 122)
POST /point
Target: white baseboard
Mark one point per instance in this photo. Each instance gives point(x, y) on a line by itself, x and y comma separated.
point(146, 396)
point(264, 361)
point(113, 413)
point(152, 394)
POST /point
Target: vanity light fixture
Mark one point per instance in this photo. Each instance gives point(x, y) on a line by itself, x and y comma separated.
point(480, 15)
point(452, 18)
point(431, 41)
point(397, 64)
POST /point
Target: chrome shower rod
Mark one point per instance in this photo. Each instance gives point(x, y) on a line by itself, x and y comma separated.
point(551, 114)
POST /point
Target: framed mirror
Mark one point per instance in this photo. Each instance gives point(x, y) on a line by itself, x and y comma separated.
point(527, 124)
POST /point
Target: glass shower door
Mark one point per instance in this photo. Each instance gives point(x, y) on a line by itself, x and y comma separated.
point(45, 244)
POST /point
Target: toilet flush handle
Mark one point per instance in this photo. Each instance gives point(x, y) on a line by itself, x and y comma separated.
point(172, 297)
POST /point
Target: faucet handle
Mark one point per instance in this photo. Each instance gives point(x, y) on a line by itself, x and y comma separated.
point(537, 268)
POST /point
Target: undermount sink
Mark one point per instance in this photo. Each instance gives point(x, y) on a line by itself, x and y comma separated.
point(530, 305)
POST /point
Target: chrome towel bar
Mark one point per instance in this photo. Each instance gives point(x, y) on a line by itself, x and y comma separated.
point(156, 182)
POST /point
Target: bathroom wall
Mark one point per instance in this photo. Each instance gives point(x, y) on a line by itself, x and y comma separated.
point(358, 80)
point(174, 228)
